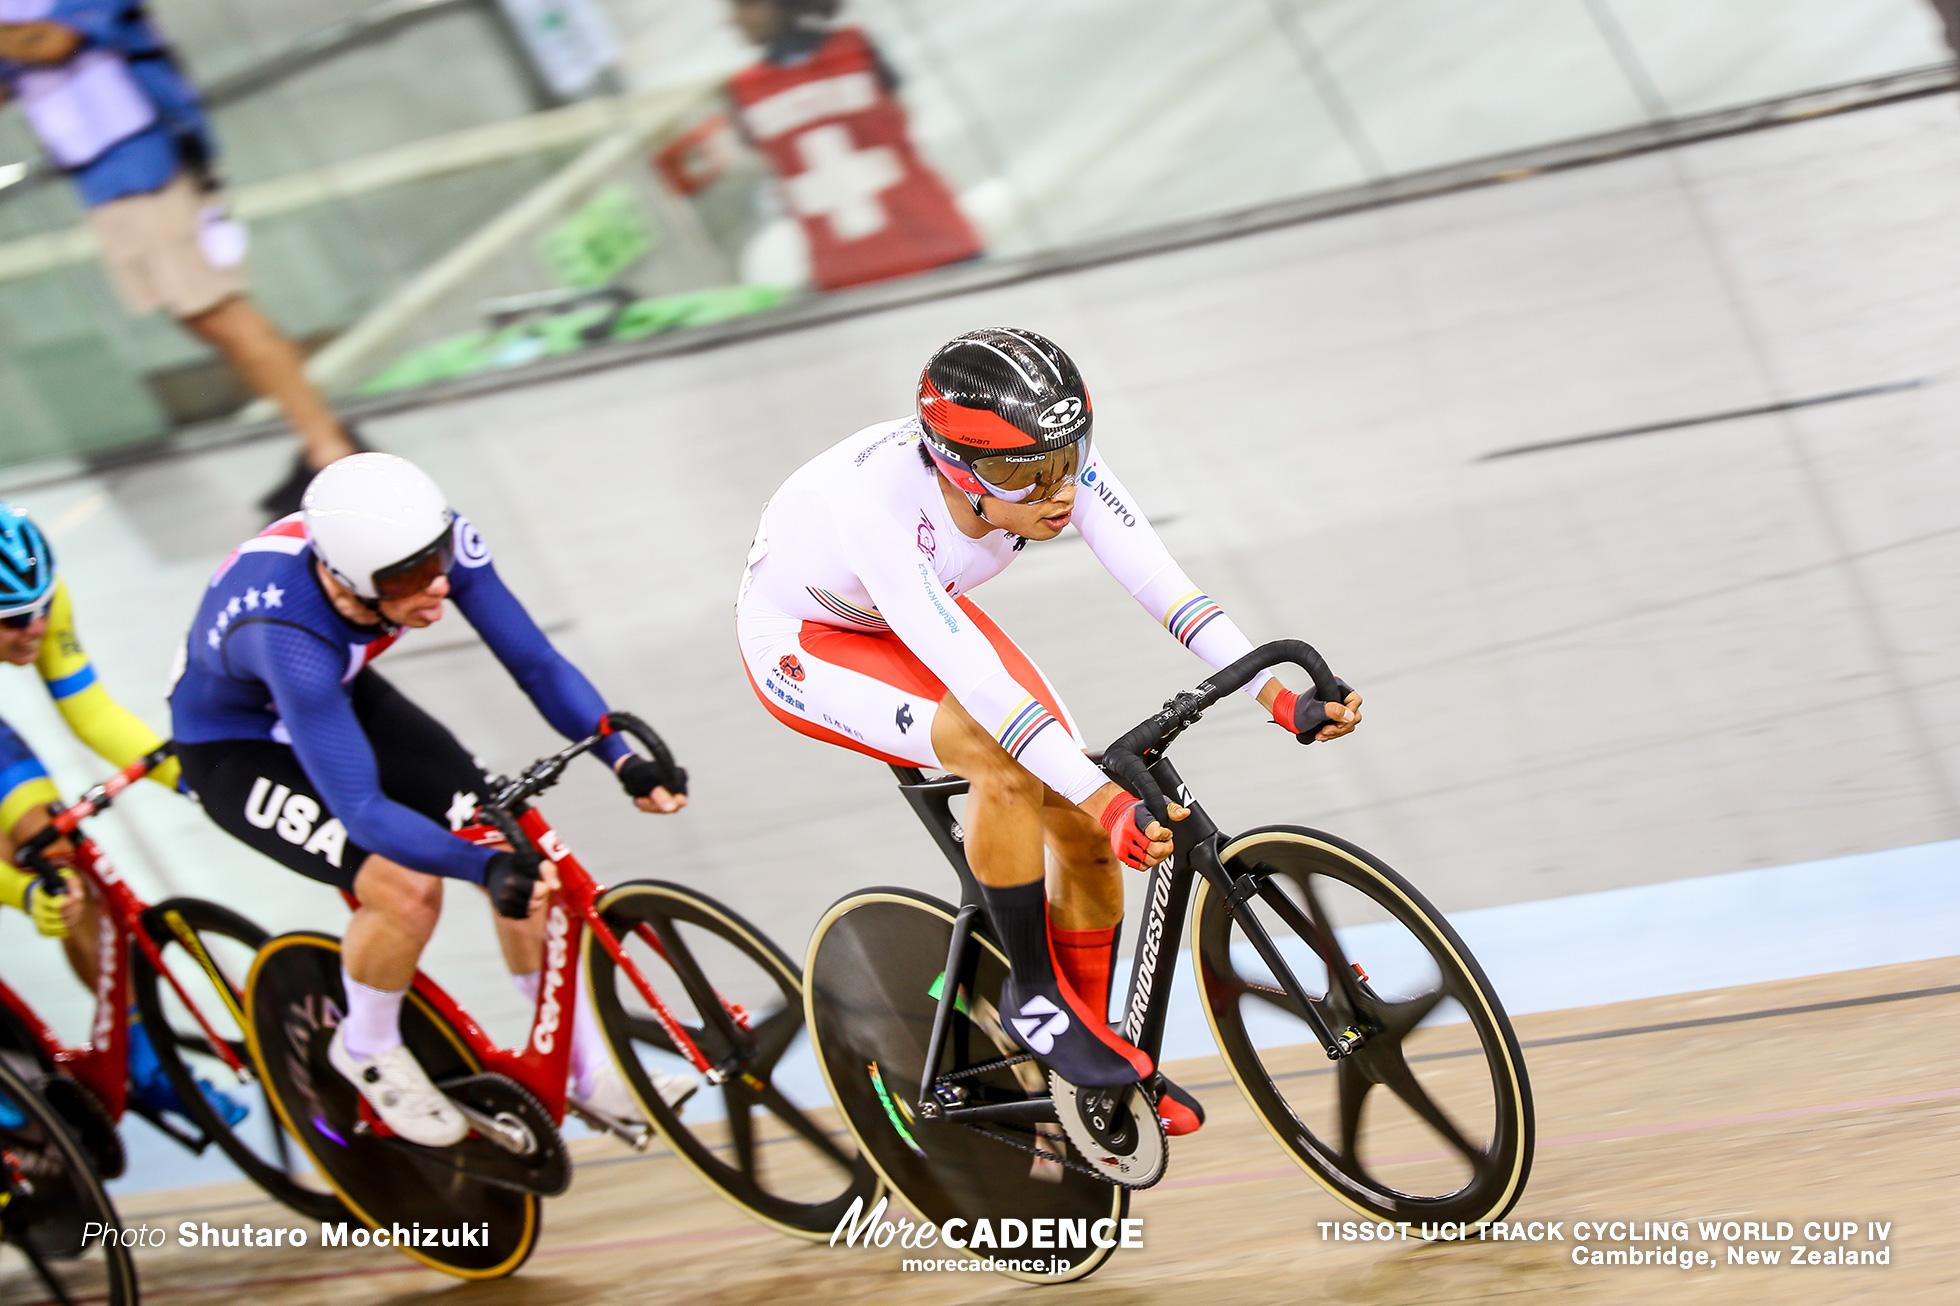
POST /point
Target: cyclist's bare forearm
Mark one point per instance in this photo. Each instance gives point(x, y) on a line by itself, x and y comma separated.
point(38, 42)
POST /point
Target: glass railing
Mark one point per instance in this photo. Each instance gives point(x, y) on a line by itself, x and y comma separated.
point(424, 206)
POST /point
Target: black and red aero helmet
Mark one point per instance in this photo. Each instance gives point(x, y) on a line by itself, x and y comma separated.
point(997, 404)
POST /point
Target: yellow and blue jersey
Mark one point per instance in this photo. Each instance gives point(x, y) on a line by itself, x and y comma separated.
point(111, 730)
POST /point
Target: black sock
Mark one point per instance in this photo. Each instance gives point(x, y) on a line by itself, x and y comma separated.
point(1020, 915)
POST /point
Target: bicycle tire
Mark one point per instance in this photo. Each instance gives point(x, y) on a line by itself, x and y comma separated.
point(293, 1002)
point(872, 969)
point(812, 1210)
point(175, 925)
point(43, 1218)
point(1498, 1166)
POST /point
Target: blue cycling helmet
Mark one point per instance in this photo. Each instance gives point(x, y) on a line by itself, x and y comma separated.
point(26, 563)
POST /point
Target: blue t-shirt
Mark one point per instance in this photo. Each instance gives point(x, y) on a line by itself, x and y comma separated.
point(148, 160)
point(268, 657)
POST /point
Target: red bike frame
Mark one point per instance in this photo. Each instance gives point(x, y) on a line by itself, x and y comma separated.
point(543, 1064)
point(102, 1064)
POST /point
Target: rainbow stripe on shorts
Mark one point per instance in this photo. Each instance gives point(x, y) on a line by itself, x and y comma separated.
point(1191, 614)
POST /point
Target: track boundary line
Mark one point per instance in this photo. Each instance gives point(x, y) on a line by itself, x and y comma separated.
point(1631, 1031)
point(1617, 1135)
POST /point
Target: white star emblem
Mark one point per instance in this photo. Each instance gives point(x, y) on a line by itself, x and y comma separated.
point(272, 596)
point(461, 809)
point(224, 619)
point(212, 639)
point(252, 598)
point(232, 607)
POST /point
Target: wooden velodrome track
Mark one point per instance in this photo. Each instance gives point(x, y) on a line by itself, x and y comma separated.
point(1835, 1097)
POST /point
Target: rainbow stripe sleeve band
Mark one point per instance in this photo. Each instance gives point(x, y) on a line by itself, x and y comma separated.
point(1191, 614)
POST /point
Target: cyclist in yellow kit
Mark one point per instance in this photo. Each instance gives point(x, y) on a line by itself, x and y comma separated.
point(37, 628)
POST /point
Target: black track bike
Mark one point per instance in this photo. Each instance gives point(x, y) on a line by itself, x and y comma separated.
point(1324, 975)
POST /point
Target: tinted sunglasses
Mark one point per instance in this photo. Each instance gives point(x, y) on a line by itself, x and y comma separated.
point(1030, 478)
point(418, 571)
point(22, 620)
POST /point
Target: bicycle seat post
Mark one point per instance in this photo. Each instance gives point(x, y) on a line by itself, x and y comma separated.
point(932, 800)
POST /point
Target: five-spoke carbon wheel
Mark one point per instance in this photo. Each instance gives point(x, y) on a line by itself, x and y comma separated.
point(1430, 1118)
point(49, 1197)
point(757, 1136)
point(208, 951)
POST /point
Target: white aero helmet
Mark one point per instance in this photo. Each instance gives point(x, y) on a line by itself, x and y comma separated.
point(380, 525)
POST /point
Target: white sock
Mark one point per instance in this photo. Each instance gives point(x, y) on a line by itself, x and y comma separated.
point(527, 985)
point(591, 1055)
point(373, 1023)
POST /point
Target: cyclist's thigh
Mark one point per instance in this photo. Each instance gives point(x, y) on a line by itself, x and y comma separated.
point(422, 765)
point(257, 792)
point(865, 692)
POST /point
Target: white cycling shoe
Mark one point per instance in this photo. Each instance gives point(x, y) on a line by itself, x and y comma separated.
point(610, 1095)
point(398, 1089)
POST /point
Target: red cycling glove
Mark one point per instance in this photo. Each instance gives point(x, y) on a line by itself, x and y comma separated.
point(1126, 819)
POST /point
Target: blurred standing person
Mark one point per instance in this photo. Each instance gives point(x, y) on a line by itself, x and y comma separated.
point(820, 105)
point(112, 109)
point(1949, 11)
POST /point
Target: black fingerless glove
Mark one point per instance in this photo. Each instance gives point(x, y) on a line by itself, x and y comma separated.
point(1304, 714)
point(510, 877)
point(640, 777)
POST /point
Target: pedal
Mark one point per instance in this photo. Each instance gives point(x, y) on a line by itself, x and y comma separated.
point(1116, 1130)
point(638, 1137)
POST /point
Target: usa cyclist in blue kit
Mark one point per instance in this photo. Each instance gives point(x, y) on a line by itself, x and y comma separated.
point(294, 745)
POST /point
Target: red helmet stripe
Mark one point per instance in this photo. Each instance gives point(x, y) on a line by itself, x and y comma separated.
point(975, 428)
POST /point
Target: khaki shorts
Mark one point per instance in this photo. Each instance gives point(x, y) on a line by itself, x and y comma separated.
point(149, 244)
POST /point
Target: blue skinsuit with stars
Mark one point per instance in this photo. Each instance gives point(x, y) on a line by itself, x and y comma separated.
point(268, 657)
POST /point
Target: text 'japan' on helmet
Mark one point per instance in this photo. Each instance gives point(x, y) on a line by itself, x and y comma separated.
point(371, 515)
point(26, 563)
point(1000, 395)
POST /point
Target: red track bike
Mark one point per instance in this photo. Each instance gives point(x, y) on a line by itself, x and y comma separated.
point(681, 984)
point(184, 960)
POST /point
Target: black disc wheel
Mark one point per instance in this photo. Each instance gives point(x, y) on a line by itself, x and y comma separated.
point(207, 952)
point(760, 1136)
point(876, 969)
point(1430, 1117)
point(54, 1214)
point(294, 1001)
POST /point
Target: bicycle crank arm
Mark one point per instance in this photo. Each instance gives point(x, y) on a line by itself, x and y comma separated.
point(548, 1175)
point(1036, 1110)
point(503, 1129)
point(638, 1137)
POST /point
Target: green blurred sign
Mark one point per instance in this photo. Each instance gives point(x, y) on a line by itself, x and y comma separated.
point(600, 241)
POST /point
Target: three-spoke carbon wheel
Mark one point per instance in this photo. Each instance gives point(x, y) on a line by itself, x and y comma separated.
point(1430, 1118)
point(756, 1136)
point(208, 951)
point(49, 1196)
point(876, 967)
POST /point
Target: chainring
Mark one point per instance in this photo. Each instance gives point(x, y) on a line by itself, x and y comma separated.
point(543, 1167)
point(88, 1120)
point(1122, 1140)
